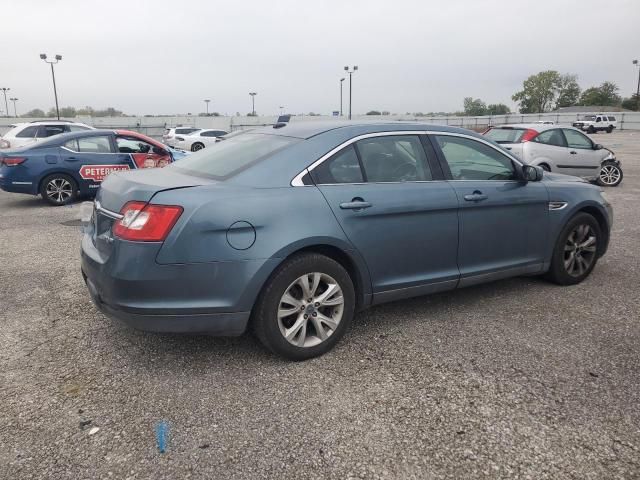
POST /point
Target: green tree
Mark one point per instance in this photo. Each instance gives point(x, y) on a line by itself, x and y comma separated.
point(497, 109)
point(35, 113)
point(568, 91)
point(538, 92)
point(474, 107)
point(606, 95)
point(631, 103)
point(373, 112)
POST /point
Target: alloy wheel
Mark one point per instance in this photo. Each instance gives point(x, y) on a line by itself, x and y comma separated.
point(609, 174)
point(59, 190)
point(580, 250)
point(310, 309)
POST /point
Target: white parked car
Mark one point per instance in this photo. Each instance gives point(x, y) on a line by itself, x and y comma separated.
point(169, 135)
point(198, 140)
point(22, 134)
point(559, 149)
point(597, 123)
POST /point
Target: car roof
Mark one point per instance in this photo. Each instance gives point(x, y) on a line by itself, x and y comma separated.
point(311, 128)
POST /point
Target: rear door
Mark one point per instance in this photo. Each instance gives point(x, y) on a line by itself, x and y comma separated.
point(583, 160)
point(503, 221)
point(91, 159)
point(397, 210)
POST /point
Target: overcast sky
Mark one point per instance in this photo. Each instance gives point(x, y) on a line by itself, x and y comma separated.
point(167, 56)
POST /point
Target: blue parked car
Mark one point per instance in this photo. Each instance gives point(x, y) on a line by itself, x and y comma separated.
point(294, 229)
point(73, 164)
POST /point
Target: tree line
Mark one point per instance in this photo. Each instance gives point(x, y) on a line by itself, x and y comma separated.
point(70, 112)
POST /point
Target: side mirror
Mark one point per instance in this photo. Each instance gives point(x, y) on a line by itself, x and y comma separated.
point(531, 173)
point(597, 146)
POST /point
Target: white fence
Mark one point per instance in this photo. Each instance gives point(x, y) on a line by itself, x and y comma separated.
point(155, 126)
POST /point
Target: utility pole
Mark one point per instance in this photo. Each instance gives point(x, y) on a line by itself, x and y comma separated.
point(43, 56)
point(206, 102)
point(15, 110)
point(253, 103)
point(6, 105)
point(341, 81)
point(635, 62)
point(350, 72)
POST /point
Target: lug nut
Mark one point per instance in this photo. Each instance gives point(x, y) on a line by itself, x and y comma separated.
point(315, 314)
point(306, 316)
point(301, 307)
point(310, 300)
point(317, 304)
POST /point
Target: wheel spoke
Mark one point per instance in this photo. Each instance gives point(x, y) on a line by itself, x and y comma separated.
point(303, 281)
point(298, 332)
point(568, 263)
point(285, 312)
point(588, 242)
point(331, 290)
point(320, 331)
point(329, 322)
point(290, 300)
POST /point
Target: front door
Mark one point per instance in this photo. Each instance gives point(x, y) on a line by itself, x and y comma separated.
point(503, 221)
point(397, 211)
point(582, 159)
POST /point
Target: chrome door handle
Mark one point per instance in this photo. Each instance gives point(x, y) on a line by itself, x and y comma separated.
point(355, 204)
point(475, 197)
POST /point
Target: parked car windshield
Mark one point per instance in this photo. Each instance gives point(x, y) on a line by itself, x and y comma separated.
point(225, 159)
point(505, 135)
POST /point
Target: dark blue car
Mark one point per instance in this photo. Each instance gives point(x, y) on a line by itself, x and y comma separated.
point(291, 230)
point(75, 164)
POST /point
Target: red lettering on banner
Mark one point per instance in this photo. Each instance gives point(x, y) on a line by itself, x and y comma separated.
point(98, 173)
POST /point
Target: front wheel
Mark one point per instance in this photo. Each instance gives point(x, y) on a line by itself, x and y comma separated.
point(58, 189)
point(576, 251)
point(305, 307)
point(197, 146)
point(610, 174)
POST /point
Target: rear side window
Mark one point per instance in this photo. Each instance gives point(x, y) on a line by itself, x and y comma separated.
point(472, 160)
point(233, 155)
point(185, 131)
point(612, 119)
point(78, 128)
point(398, 158)
point(45, 131)
point(29, 132)
point(343, 167)
point(551, 137)
point(98, 144)
point(505, 135)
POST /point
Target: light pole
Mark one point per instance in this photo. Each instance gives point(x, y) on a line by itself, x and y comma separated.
point(341, 80)
point(43, 56)
point(15, 110)
point(281, 110)
point(635, 62)
point(206, 102)
point(253, 103)
point(350, 72)
point(6, 105)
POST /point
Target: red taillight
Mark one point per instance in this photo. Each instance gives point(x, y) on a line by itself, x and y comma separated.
point(528, 135)
point(142, 222)
point(12, 161)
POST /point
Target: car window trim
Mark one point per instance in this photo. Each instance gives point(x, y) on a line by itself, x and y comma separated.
point(297, 180)
point(111, 142)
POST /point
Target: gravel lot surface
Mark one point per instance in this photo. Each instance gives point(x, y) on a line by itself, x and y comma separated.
point(515, 379)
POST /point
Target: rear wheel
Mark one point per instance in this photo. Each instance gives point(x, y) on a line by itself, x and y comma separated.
point(58, 189)
point(610, 174)
point(609, 129)
point(576, 251)
point(305, 307)
point(591, 129)
point(197, 146)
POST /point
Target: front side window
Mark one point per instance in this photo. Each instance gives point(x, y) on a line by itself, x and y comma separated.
point(233, 155)
point(78, 128)
point(133, 145)
point(398, 158)
point(29, 132)
point(98, 144)
point(342, 167)
point(551, 137)
point(576, 139)
point(472, 160)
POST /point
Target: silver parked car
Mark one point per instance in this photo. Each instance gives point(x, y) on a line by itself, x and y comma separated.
point(559, 149)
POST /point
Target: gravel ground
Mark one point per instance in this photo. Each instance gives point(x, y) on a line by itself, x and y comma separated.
point(515, 379)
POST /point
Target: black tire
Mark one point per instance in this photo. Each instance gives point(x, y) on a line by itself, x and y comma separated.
point(558, 271)
point(609, 129)
point(545, 167)
point(58, 189)
point(266, 323)
point(610, 174)
point(197, 146)
point(591, 129)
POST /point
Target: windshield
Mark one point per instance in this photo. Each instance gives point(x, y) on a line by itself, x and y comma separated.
point(225, 159)
point(505, 135)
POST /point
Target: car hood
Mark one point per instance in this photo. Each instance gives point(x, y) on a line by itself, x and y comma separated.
point(560, 177)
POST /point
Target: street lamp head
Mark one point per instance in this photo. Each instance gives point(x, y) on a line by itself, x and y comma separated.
point(635, 62)
point(43, 56)
point(346, 69)
point(342, 79)
point(58, 57)
point(355, 67)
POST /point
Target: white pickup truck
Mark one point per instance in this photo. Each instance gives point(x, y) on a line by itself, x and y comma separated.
point(596, 123)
